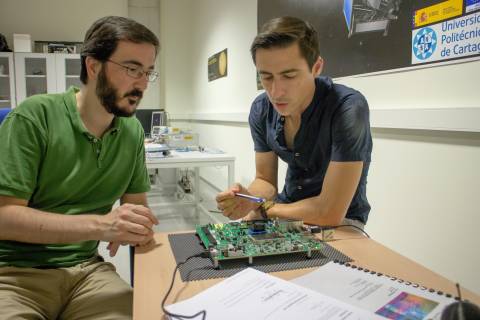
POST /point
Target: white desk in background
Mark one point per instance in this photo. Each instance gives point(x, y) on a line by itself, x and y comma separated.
point(194, 159)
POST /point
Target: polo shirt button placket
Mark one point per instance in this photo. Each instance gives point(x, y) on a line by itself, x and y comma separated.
point(97, 149)
point(297, 157)
point(99, 159)
point(93, 143)
point(96, 146)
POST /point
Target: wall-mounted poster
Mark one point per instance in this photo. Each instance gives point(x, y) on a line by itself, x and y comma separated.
point(365, 36)
point(217, 65)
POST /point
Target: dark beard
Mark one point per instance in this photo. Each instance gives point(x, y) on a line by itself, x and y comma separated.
point(108, 96)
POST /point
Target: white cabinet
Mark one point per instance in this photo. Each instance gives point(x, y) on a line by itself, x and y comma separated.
point(37, 73)
point(67, 70)
point(34, 74)
point(7, 83)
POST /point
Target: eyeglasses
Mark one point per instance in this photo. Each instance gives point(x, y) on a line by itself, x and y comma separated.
point(138, 72)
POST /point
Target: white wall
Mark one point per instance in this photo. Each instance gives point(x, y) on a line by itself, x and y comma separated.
point(147, 12)
point(423, 187)
point(446, 86)
point(175, 65)
point(218, 25)
point(422, 184)
point(211, 27)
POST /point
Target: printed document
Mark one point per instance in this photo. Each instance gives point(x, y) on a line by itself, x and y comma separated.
point(380, 294)
point(252, 294)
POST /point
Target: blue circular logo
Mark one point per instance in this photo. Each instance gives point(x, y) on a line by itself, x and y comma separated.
point(424, 43)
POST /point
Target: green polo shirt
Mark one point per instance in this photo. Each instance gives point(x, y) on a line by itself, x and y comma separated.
point(48, 158)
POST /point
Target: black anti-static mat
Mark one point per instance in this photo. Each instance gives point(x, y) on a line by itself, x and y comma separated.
point(187, 244)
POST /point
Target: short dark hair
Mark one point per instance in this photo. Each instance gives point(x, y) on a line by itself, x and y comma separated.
point(102, 39)
point(284, 31)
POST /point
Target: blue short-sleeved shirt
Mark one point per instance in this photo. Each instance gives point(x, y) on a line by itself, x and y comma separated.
point(334, 127)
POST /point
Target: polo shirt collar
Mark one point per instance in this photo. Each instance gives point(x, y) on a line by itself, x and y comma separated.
point(322, 84)
point(71, 104)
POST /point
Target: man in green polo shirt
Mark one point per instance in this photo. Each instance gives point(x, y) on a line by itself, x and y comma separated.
point(64, 161)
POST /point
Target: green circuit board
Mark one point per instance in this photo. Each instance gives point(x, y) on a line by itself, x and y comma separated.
point(249, 239)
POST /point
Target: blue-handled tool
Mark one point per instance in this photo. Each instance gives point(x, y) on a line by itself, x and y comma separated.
point(251, 198)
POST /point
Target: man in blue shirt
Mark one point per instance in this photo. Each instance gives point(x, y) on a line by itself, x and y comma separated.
point(320, 129)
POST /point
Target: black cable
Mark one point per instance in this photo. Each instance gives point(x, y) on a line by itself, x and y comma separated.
point(179, 316)
point(344, 225)
point(460, 311)
point(358, 228)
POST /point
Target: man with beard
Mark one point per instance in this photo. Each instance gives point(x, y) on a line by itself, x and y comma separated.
point(319, 128)
point(65, 160)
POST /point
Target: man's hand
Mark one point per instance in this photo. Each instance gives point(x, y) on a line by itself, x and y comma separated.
point(112, 247)
point(232, 206)
point(127, 224)
point(253, 215)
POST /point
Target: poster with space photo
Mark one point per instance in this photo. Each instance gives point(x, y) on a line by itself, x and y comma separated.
point(365, 36)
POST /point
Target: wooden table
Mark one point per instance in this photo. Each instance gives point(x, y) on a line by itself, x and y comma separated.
point(154, 268)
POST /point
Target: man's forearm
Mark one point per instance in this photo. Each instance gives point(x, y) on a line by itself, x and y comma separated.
point(262, 188)
point(311, 210)
point(24, 224)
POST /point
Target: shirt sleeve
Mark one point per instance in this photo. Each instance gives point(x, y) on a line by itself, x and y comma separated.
point(140, 181)
point(258, 127)
point(22, 146)
point(351, 136)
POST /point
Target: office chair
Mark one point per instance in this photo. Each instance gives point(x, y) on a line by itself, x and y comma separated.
point(3, 113)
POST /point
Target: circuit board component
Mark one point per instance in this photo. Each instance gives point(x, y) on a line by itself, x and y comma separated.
point(249, 239)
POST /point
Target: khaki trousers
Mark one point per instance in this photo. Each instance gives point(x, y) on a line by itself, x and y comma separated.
point(89, 290)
